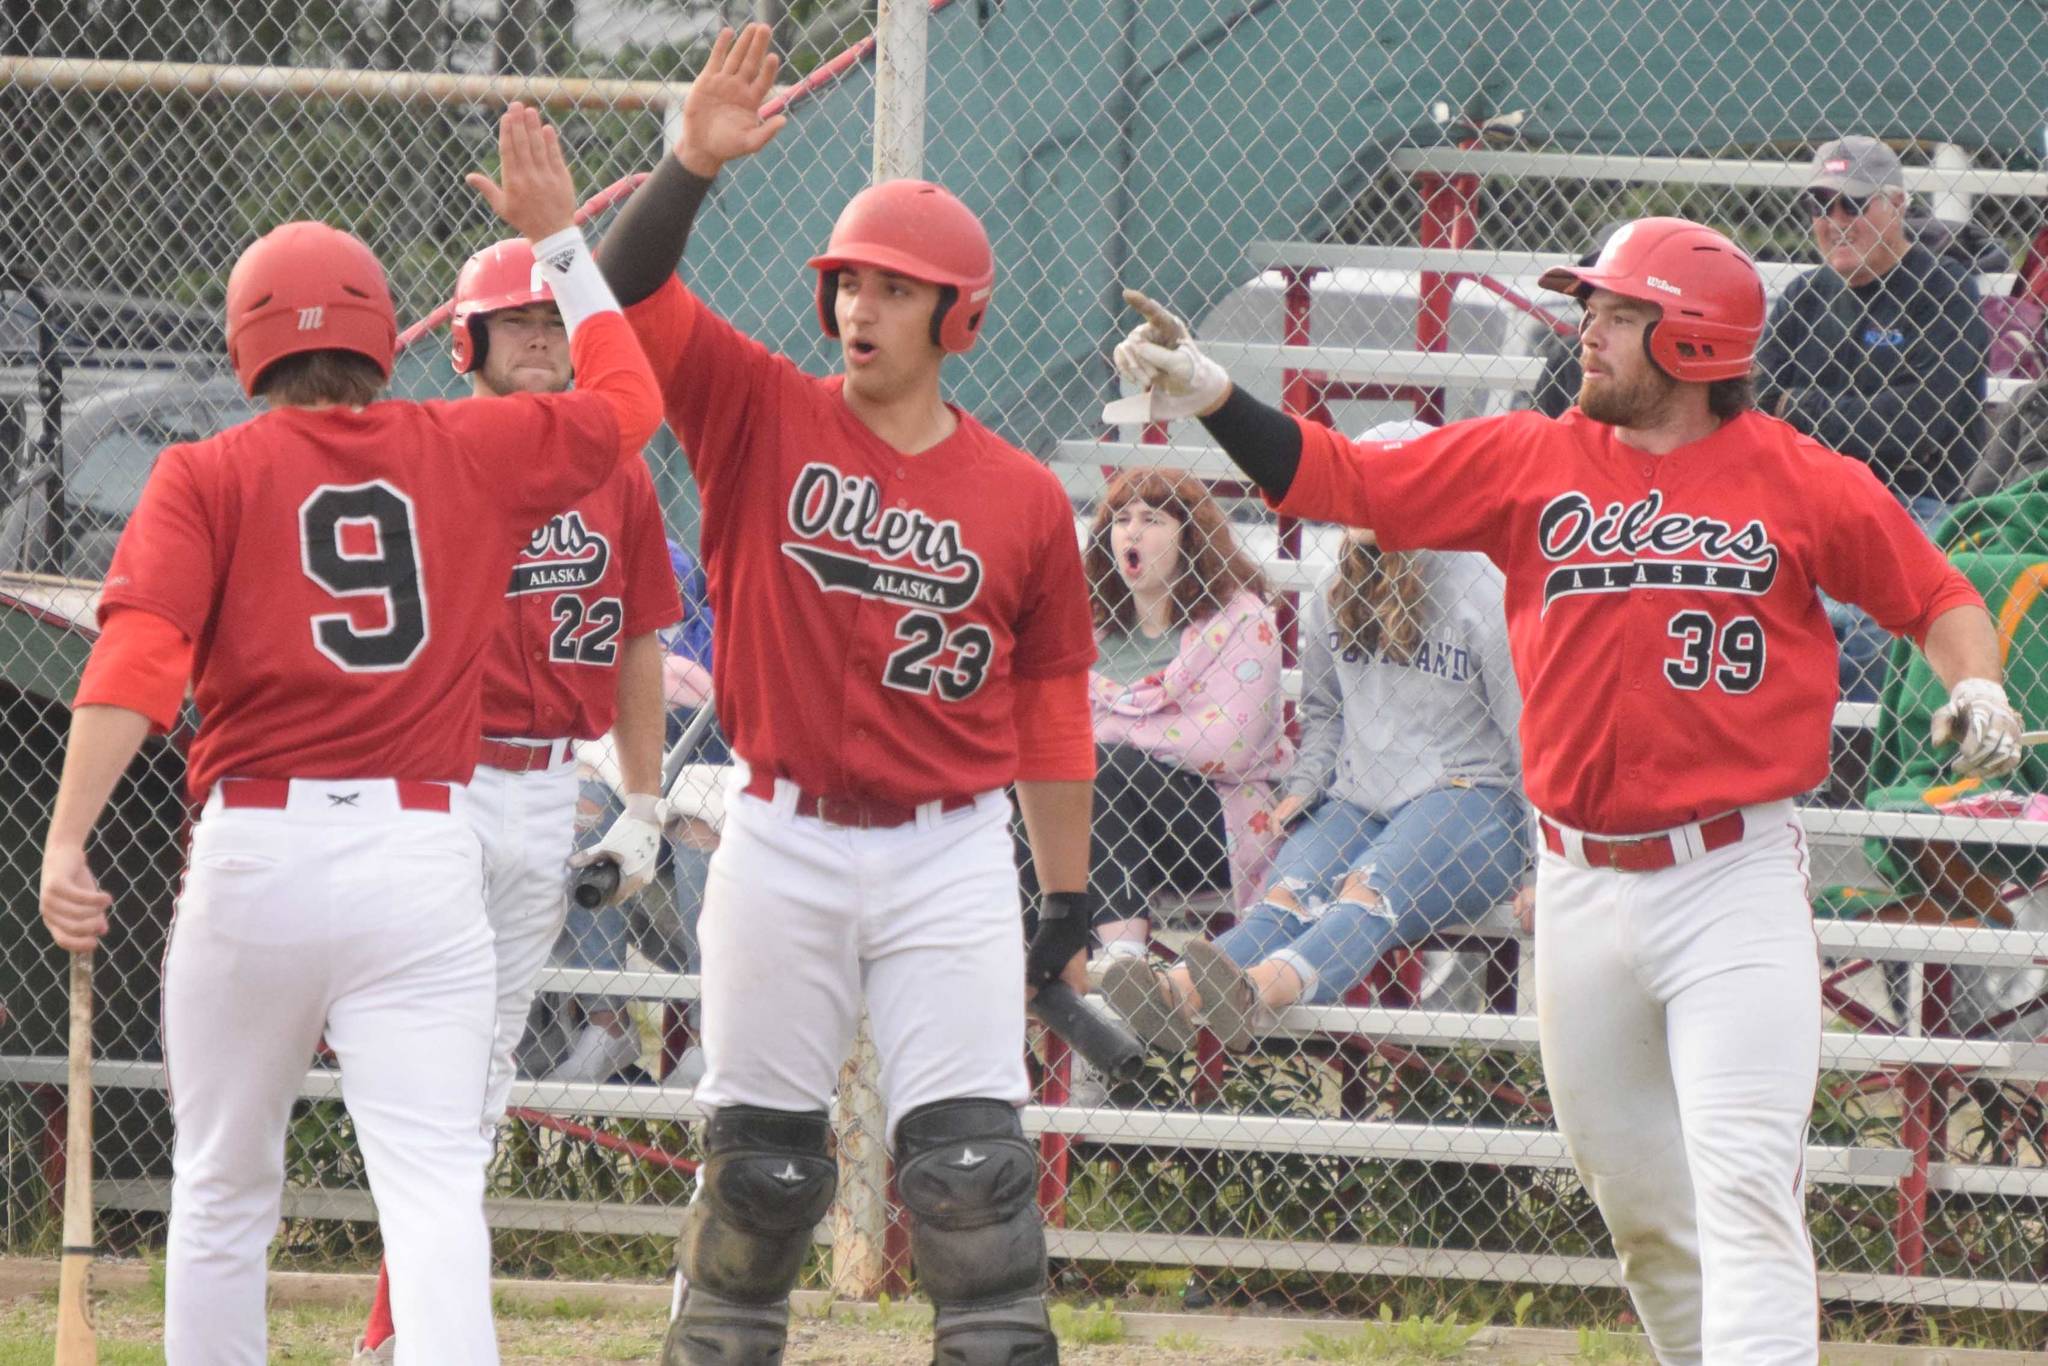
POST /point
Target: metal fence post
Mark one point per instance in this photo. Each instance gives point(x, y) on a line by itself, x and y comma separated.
point(860, 1219)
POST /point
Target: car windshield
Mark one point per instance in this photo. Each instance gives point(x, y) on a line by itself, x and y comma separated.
point(105, 478)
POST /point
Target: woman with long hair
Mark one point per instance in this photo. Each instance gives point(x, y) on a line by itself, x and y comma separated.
point(1187, 699)
point(1407, 789)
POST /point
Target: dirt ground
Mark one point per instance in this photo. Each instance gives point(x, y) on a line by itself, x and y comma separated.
point(130, 1327)
point(316, 1318)
point(130, 1330)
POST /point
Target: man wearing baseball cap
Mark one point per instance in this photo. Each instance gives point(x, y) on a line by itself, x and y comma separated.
point(1877, 353)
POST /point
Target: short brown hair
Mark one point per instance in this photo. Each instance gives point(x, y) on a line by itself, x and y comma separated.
point(1729, 398)
point(308, 378)
point(1213, 569)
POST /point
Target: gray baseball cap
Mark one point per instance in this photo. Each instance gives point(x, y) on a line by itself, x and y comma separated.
point(1856, 166)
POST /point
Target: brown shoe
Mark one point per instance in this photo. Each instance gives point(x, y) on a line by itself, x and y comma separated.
point(1139, 991)
point(1230, 1003)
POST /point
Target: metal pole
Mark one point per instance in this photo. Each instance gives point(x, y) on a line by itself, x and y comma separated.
point(335, 83)
point(860, 1218)
point(899, 89)
point(47, 555)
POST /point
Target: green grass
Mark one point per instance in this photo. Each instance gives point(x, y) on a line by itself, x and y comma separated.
point(1600, 1344)
point(1098, 1323)
point(1399, 1340)
point(896, 1316)
point(560, 1307)
point(38, 1351)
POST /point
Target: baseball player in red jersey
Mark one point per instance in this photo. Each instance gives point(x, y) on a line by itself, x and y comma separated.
point(575, 654)
point(328, 576)
point(1665, 546)
point(902, 630)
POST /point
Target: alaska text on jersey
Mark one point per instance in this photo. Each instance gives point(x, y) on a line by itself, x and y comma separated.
point(565, 553)
point(847, 508)
point(1736, 561)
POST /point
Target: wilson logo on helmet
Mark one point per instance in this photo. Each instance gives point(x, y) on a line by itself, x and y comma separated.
point(1712, 334)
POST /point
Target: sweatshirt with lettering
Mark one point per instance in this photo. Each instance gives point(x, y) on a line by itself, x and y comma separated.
point(1378, 733)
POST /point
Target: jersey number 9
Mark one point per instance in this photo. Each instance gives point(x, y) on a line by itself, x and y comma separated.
point(360, 541)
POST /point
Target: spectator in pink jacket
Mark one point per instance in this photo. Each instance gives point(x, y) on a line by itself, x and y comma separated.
point(1188, 706)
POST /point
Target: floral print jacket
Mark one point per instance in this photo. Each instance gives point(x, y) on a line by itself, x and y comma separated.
point(1217, 708)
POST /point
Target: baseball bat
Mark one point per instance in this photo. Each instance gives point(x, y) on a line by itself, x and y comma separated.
point(596, 881)
point(1109, 1048)
point(76, 1343)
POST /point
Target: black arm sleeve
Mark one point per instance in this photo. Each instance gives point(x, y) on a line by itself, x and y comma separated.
point(1263, 441)
point(645, 245)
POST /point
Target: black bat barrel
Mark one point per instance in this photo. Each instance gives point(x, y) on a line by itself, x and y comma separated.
point(1109, 1048)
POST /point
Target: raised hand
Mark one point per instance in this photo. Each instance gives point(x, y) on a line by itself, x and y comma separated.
point(538, 196)
point(722, 115)
point(1160, 359)
point(1160, 327)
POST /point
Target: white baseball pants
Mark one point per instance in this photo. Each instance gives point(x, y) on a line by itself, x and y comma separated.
point(526, 824)
point(340, 913)
point(802, 917)
point(1680, 1019)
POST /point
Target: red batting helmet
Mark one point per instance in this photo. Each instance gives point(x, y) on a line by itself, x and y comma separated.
point(307, 287)
point(501, 276)
point(918, 229)
point(1711, 296)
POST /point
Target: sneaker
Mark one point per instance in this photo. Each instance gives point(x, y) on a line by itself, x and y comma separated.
point(1085, 1086)
point(689, 1069)
point(1138, 990)
point(1230, 1003)
point(385, 1351)
point(597, 1054)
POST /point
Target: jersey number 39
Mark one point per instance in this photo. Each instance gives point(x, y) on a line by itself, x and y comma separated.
point(360, 541)
point(1730, 655)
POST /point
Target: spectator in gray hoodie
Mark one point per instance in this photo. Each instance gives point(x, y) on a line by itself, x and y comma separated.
point(1407, 788)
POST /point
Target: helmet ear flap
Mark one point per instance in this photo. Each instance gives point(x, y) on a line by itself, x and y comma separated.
point(828, 301)
point(1654, 349)
point(470, 343)
point(949, 297)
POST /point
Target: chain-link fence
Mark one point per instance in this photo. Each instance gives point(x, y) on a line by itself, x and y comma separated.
point(1352, 203)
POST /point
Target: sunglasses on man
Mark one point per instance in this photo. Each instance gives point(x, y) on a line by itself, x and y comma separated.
point(1822, 203)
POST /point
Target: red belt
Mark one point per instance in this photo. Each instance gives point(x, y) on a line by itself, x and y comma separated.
point(1651, 853)
point(274, 794)
point(859, 813)
point(513, 758)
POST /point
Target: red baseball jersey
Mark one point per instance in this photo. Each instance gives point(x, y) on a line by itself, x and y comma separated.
point(342, 571)
point(587, 580)
point(871, 609)
point(1674, 655)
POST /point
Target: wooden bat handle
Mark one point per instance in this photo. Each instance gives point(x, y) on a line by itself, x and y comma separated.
point(76, 1345)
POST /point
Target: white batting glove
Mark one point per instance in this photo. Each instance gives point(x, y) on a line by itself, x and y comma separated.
point(1983, 727)
point(1160, 360)
point(633, 842)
